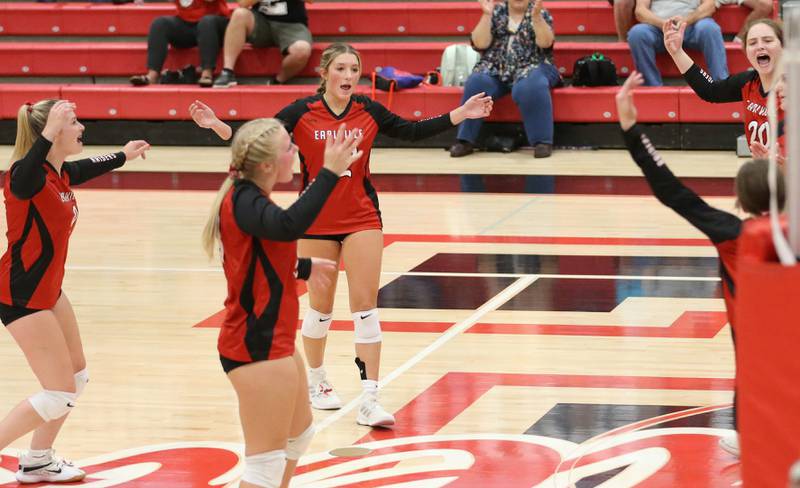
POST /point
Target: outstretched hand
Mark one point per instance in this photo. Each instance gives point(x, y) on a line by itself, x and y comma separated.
point(202, 114)
point(478, 106)
point(674, 29)
point(487, 6)
point(626, 110)
point(342, 150)
point(134, 149)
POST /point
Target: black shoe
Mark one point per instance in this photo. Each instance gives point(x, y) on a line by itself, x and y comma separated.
point(225, 79)
point(542, 150)
point(274, 81)
point(189, 75)
point(461, 149)
point(171, 77)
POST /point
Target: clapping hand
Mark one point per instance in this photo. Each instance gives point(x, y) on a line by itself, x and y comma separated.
point(487, 6)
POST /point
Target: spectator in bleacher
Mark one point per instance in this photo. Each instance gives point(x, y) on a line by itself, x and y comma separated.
point(516, 43)
point(198, 23)
point(760, 10)
point(624, 17)
point(702, 33)
point(264, 23)
point(763, 46)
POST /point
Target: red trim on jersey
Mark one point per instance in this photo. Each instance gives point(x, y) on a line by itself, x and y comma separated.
point(32, 268)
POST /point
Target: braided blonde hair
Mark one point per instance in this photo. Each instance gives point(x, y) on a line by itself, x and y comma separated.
point(254, 143)
point(329, 54)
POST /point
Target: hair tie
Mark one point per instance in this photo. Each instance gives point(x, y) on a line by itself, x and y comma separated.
point(233, 172)
point(30, 107)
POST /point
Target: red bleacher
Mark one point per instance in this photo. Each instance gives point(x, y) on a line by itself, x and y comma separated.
point(122, 102)
point(126, 58)
point(415, 20)
point(325, 19)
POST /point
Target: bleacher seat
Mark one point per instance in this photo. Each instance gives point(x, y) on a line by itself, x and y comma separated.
point(406, 19)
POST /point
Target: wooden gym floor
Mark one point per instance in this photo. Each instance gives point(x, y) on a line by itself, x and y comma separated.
point(574, 336)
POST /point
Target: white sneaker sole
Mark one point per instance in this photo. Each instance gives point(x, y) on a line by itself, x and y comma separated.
point(26, 479)
point(733, 451)
point(387, 422)
point(326, 407)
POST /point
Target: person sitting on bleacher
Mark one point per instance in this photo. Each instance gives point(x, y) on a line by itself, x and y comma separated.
point(516, 39)
point(624, 16)
point(263, 23)
point(702, 33)
point(197, 23)
point(760, 10)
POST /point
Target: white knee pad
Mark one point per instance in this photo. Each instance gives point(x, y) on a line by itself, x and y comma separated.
point(81, 378)
point(51, 405)
point(315, 324)
point(297, 446)
point(265, 469)
point(367, 327)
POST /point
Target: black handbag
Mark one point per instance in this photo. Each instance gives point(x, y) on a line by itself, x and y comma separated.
point(594, 70)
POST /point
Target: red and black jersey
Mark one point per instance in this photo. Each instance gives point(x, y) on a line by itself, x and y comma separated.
point(354, 203)
point(742, 87)
point(259, 257)
point(194, 10)
point(722, 228)
point(41, 212)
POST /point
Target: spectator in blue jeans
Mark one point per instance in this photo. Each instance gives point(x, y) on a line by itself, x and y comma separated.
point(516, 39)
point(702, 33)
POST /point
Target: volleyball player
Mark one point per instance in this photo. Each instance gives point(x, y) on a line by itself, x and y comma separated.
point(41, 213)
point(722, 228)
point(349, 227)
point(259, 257)
point(763, 46)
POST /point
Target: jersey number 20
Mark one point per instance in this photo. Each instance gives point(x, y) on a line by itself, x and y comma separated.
point(758, 132)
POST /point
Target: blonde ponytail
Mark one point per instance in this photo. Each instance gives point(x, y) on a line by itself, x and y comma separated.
point(254, 143)
point(31, 119)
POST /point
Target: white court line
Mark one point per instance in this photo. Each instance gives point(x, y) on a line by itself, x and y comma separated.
point(411, 273)
point(456, 329)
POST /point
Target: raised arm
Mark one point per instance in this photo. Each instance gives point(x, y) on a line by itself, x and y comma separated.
point(482, 33)
point(543, 31)
point(28, 174)
point(258, 216)
point(716, 224)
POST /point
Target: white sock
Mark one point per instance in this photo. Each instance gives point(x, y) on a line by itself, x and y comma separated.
point(315, 375)
point(370, 386)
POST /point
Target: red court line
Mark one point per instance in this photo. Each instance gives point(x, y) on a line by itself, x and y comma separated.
point(454, 392)
point(591, 241)
point(690, 325)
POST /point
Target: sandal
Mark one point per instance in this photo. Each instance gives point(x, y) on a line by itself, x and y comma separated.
point(206, 81)
point(139, 80)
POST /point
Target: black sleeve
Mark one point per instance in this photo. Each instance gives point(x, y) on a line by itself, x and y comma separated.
point(256, 215)
point(717, 225)
point(292, 113)
point(303, 268)
point(393, 125)
point(84, 170)
point(717, 91)
point(28, 174)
